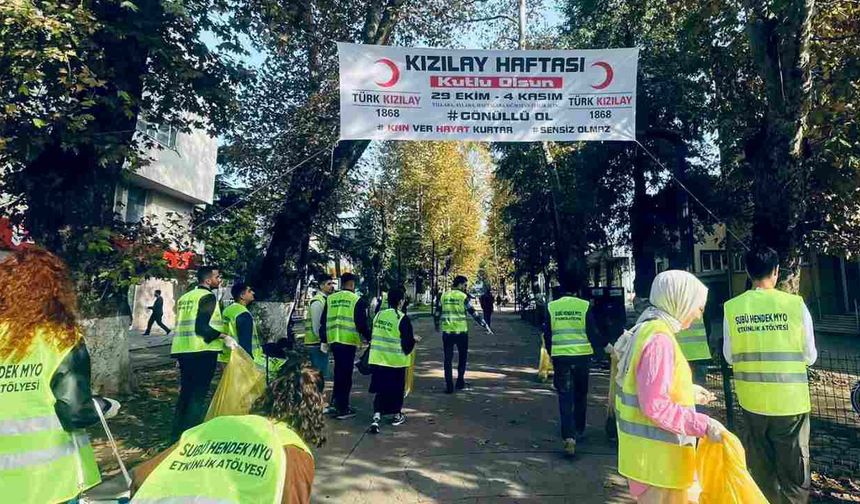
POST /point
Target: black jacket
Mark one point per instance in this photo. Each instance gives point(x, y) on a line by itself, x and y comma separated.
point(71, 388)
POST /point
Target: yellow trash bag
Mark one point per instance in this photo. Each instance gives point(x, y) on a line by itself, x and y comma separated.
point(241, 384)
point(545, 366)
point(410, 373)
point(723, 475)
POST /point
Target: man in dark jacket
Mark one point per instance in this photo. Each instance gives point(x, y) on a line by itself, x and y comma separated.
point(157, 312)
point(198, 340)
point(487, 307)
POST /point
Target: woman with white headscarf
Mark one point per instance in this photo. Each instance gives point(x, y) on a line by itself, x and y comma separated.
point(655, 400)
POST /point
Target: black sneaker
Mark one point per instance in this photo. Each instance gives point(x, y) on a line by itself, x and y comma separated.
point(374, 425)
point(349, 413)
point(399, 419)
point(330, 410)
point(463, 386)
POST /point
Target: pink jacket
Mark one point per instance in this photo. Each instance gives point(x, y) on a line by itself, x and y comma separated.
point(654, 377)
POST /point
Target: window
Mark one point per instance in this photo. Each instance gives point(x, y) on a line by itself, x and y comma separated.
point(739, 263)
point(164, 134)
point(713, 260)
point(135, 205)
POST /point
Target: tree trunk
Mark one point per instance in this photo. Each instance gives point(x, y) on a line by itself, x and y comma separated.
point(641, 227)
point(309, 190)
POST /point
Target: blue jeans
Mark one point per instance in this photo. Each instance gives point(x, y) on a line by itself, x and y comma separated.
point(319, 360)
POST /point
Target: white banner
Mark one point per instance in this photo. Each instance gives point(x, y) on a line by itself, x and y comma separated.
point(399, 93)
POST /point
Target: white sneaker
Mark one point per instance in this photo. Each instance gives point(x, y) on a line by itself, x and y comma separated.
point(399, 419)
point(374, 425)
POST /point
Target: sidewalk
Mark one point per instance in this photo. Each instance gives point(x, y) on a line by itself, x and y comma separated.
point(498, 442)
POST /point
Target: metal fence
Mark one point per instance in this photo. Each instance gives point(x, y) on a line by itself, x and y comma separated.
point(835, 440)
point(835, 422)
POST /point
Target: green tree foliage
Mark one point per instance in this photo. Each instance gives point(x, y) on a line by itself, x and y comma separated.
point(292, 112)
point(419, 217)
point(75, 78)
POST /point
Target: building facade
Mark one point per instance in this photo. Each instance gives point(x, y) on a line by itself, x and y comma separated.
point(179, 177)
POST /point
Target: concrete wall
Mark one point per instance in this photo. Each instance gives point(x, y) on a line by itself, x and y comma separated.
point(107, 343)
point(187, 172)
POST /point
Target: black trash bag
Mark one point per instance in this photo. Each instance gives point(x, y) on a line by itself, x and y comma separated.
point(363, 364)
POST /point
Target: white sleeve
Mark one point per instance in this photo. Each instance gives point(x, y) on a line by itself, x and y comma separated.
point(810, 353)
point(316, 316)
point(727, 342)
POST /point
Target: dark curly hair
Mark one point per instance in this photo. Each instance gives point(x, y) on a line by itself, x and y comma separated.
point(295, 398)
point(36, 293)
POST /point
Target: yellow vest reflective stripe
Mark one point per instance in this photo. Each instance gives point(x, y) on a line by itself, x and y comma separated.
point(340, 318)
point(768, 342)
point(454, 312)
point(186, 339)
point(567, 323)
point(229, 459)
point(694, 342)
point(385, 347)
point(310, 337)
point(39, 461)
point(647, 453)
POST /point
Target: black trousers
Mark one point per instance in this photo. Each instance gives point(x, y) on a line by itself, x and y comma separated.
point(778, 456)
point(571, 382)
point(461, 341)
point(488, 314)
point(344, 361)
point(195, 375)
point(156, 319)
point(389, 385)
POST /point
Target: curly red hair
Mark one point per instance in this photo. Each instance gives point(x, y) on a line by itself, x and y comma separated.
point(36, 292)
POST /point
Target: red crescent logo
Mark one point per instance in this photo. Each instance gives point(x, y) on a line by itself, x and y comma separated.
point(610, 74)
point(395, 73)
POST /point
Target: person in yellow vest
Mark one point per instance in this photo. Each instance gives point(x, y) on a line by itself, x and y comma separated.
point(199, 339)
point(769, 340)
point(45, 395)
point(450, 317)
point(240, 325)
point(694, 344)
point(313, 322)
point(346, 326)
point(391, 344)
point(261, 458)
point(570, 336)
point(655, 397)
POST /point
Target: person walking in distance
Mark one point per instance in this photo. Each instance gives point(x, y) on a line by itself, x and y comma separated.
point(45, 396)
point(570, 336)
point(450, 316)
point(345, 327)
point(769, 340)
point(391, 343)
point(200, 337)
point(486, 301)
point(317, 350)
point(157, 309)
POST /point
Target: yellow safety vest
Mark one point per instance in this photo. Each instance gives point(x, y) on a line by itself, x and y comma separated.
point(567, 323)
point(768, 342)
point(694, 342)
point(454, 312)
point(229, 459)
point(186, 339)
point(310, 337)
point(385, 347)
point(647, 453)
point(39, 461)
point(340, 318)
point(229, 317)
